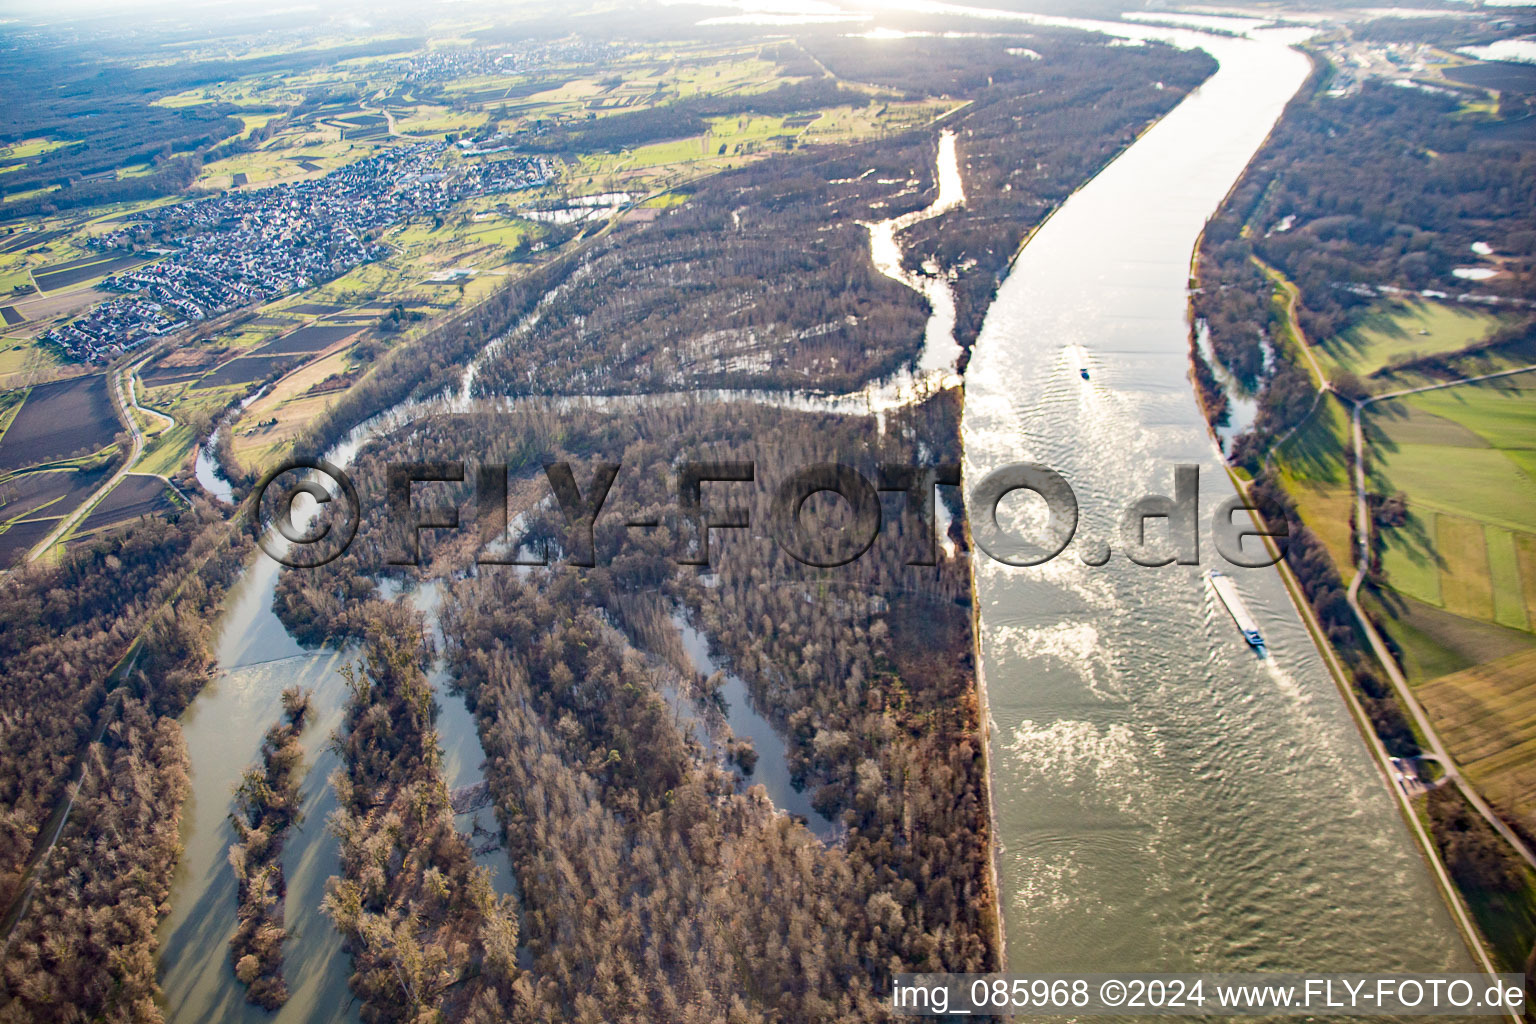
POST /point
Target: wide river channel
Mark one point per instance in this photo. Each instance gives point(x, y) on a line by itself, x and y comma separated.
point(1164, 799)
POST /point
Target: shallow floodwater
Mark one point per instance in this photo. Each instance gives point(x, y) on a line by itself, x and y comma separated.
point(940, 351)
point(223, 728)
point(1242, 404)
point(772, 768)
point(1164, 799)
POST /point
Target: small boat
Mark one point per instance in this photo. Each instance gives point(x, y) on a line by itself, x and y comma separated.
point(1084, 372)
point(1226, 590)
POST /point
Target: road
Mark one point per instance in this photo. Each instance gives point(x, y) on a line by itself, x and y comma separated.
point(1324, 385)
point(133, 398)
point(1378, 645)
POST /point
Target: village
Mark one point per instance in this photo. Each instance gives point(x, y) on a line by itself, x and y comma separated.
point(520, 57)
point(247, 246)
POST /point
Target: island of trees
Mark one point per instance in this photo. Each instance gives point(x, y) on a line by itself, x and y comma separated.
point(266, 806)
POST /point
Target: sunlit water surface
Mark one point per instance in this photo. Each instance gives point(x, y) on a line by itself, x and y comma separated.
point(1164, 799)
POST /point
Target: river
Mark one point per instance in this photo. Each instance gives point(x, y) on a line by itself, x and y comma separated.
point(1164, 800)
point(940, 351)
point(223, 729)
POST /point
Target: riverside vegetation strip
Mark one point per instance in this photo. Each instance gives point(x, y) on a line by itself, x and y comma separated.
point(1308, 253)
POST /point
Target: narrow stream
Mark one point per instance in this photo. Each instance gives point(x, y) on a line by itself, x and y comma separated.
point(205, 468)
point(772, 769)
point(463, 758)
point(1242, 404)
point(940, 350)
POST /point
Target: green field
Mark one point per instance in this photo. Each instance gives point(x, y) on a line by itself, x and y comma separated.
point(279, 159)
point(1466, 459)
point(1483, 483)
point(1508, 920)
point(1315, 451)
point(1502, 412)
point(1525, 557)
point(168, 452)
point(1465, 585)
point(1410, 559)
point(1461, 595)
point(730, 140)
point(483, 239)
point(1504, 572)
point(1397, 332)
point(431, 119)
point(19, 357)
point(32, 147)
point(1433, 642)
point(1460, 605)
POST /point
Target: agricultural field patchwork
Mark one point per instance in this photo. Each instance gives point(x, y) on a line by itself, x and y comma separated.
point(1311, 465)
point(21, 241)
point(1501, 412)
point(31, 505)
point(135, 495)
point(1487, 715)
point(274, 419)
point(1463, 546)
point(21, 537)
point(313, 338)
point(89, 268)
point(244, 370)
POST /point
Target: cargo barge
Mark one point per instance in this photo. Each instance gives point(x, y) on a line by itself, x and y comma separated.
point(1226, 590)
